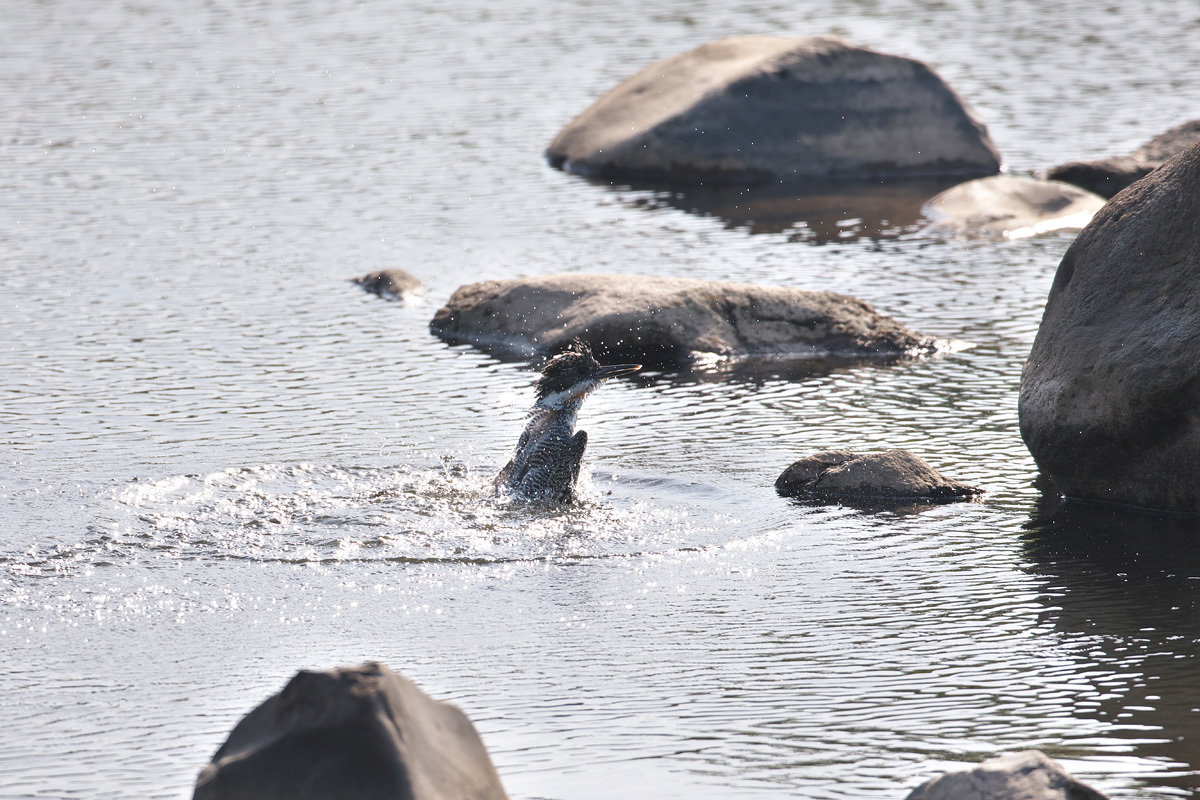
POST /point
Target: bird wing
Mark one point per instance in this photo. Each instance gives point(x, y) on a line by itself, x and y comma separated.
point(514, 471)
point(505, 476)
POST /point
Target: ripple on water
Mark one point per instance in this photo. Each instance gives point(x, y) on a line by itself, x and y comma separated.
point(437, 512)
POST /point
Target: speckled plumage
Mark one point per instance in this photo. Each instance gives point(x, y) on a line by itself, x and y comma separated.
point(549, 454)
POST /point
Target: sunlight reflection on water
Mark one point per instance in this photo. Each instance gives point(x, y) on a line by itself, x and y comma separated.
point(221, 463)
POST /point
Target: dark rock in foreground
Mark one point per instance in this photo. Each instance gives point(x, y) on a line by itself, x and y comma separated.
point(1110, 395)
point(356, 733)
point(1010, 207)
point(765, 108)
point(670, 322)
point(1028, 775)
point(1107, 176)
point(391, 284)
point(895, 474)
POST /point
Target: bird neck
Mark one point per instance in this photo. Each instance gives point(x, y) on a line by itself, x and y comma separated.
point(564, 410)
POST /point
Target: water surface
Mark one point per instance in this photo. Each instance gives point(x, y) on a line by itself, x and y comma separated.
point(221, 463)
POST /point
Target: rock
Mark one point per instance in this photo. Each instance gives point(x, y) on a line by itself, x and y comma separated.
point(1110, 396)
point(358, 733)
point(391, 284)
point(895, 474)
point(1028, 775)
point(765, 108)
point(1009, 207)
point(670, 322)
point(1107, 176)
point(1104, 177)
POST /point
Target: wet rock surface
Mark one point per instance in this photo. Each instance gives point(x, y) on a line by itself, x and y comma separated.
point(1110, 395)
point(391, 284)
point(359, 733)
point(1006, 206)
point(894, 474)
point(1107, 176)
point(761, 108)
point(671, 322)
point(1028, 775)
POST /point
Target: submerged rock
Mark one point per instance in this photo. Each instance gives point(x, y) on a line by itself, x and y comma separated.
point(670, 322)
point(1110, 395)
point(1011, 207)
point(391, 284)
point(1028, 775)
point(359, 733)
point(1107, 176)
point(750, 108)
point(895, 474)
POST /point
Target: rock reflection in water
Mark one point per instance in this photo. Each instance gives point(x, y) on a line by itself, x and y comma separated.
point(1123, 586)
point(756, 371)
point(751, 370)
point(818, 212)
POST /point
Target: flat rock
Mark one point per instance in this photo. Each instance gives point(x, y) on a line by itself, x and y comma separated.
point(1107, 176)
point(357, 733)
point(766, 108)
point(1110, 395)
point(1010, 207)
point(895, 474)
point(671, 322)
point(1028, 775)
point(391, 284)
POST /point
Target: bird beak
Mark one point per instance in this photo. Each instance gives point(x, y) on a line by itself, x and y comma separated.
point(616, 369)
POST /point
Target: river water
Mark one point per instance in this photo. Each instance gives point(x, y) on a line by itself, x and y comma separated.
point(221, 463)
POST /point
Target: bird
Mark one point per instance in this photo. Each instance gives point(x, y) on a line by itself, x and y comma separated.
point(545, 466)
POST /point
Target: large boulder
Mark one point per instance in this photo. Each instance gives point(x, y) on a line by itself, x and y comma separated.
point(759, 108)
point(1010, 207)
point(1028, 775)
point(838, 476)
point(1110, 395)
point(356, 733)
point(669, 322)
point(1107, 176)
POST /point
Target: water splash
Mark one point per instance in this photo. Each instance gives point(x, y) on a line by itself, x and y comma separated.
point(307, 513)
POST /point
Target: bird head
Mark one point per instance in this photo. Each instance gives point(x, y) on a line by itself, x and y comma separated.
point(573, 373)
